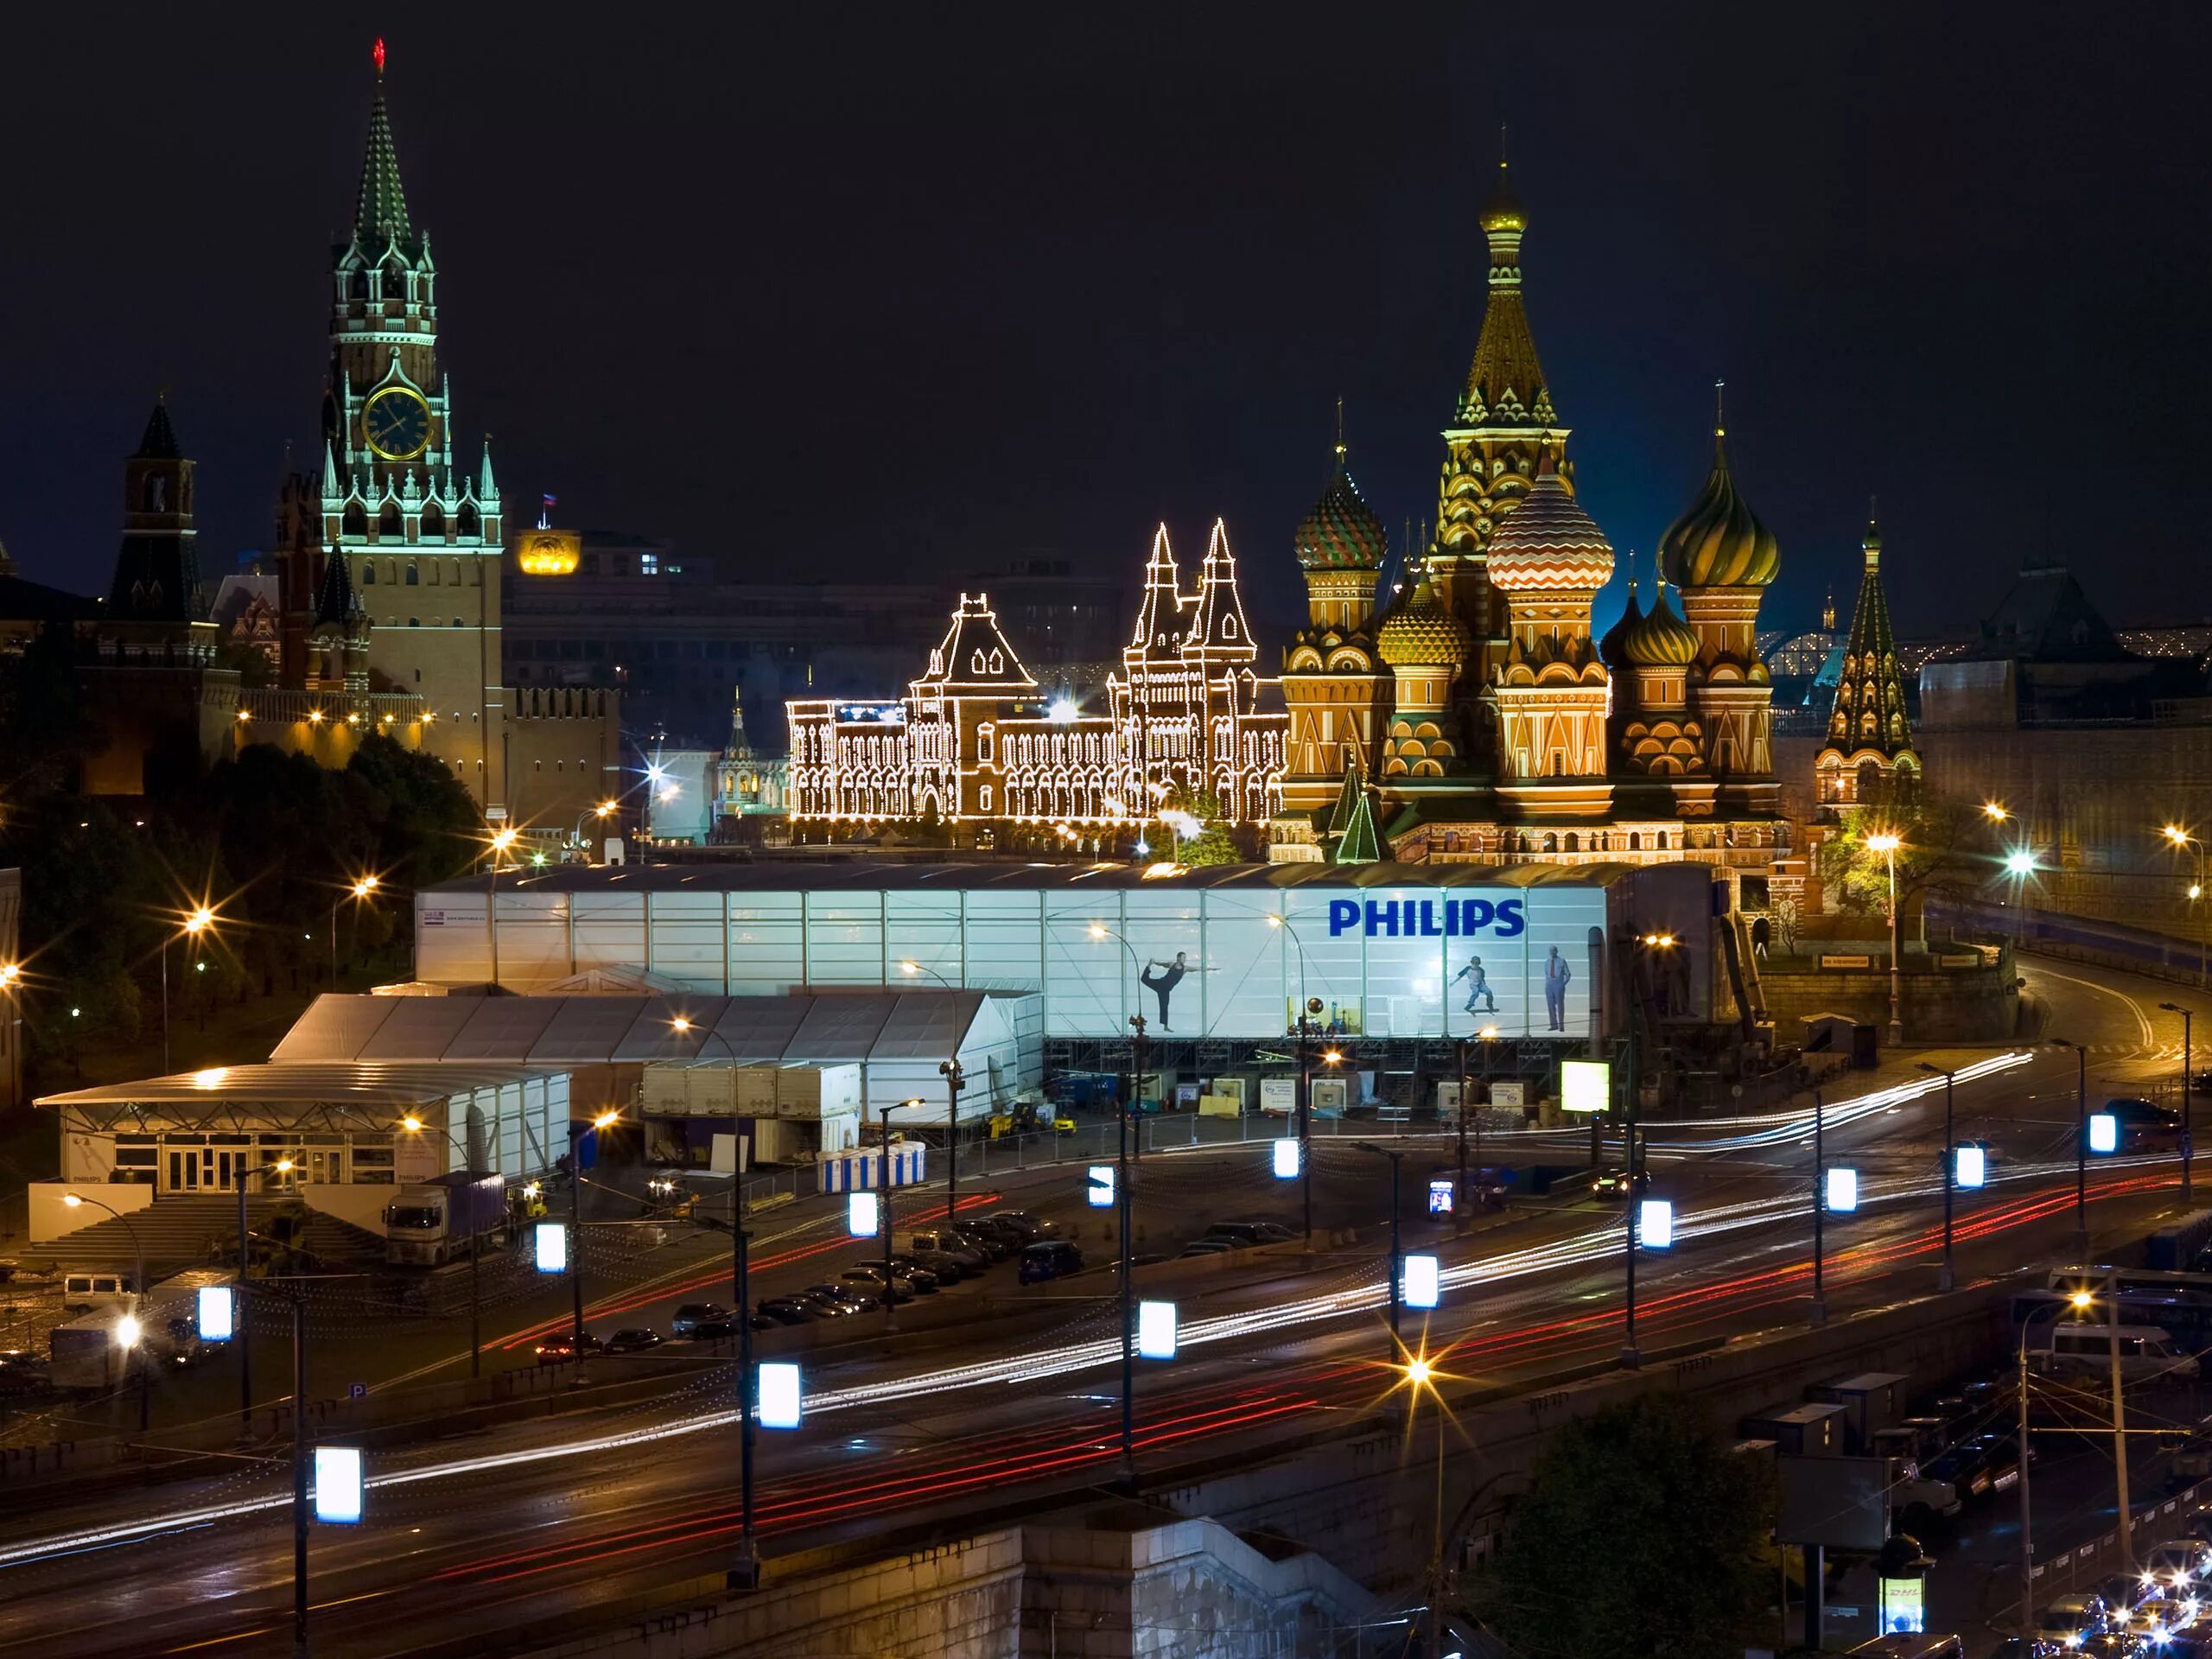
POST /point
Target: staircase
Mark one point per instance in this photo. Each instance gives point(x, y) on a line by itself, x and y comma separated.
point(189, 1231)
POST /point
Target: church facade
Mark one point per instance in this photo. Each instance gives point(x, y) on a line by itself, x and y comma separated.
point(977, 739)
point(1477, 719)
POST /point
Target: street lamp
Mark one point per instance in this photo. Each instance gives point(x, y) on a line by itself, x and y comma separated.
point(2081, 1145)
point(1996, 811)
point(1887, 845)
point(1306, 1078)
point(501, 842)
point(956, 1084)
point(1398, 1251)
point(2180, 838)
point(605, 1120)
point(2186, 1148)
point(890, 1189)
point(196, 921)
point(1944, 1280)
point(75, 1200)
point(360, 890)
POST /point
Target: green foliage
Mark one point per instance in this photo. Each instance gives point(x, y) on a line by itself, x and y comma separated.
point(1213, 844)
point(1643, 1535)
point(1944, 848)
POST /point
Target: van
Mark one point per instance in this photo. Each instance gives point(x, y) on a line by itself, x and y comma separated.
point(86, 1288)
point(2144, 1350)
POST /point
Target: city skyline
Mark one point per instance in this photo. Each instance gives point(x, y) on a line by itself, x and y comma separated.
point(1173, 258)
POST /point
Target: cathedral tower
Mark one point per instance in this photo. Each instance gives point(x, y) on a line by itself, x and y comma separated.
point(419, 530)
point(1868, 753)
point(1427, 647)
point(1548, 560)
point(1503, 425)
point(1330, 685)
point(1723, 560)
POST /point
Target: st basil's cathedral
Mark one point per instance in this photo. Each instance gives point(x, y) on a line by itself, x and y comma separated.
point(1470, 717)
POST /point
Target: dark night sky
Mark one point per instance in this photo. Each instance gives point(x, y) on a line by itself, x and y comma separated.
point(847, 289)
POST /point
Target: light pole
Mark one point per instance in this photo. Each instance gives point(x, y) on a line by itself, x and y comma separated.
point(956, 1082)
point(197, 921)
point(282, 1165)
point(1887, 845)
point(890, 1187)
point(1397, 1251)
point(2081, 1145)
point(1944, 1280)
point(1820, 1212)
point(1305, 1082)
point(745, 1571)
point(502, 840)
point(2180, 837)
point(74, 1201)
point(605, 1120)
point(1421, 1378)
point(360, 890)
point(2020, 865)
point(2080, 1300)
point(603, 811)
point(2187, 1149)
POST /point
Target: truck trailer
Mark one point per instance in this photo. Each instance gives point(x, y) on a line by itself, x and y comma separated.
point(433, 1222)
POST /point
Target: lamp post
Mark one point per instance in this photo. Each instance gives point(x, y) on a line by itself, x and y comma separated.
point(745, 1571)
point(74, 1200)
point(1306, 1081)
point(2081, 1145)
point(2180, 837)
point(603, 811)
point(956, 1084)
point(502, 839)
point(1943, 1279)
point(1421, 1378)
point(2187, 1148)
point(890, 1187)
point(605, 1120)
point(1820, 1212)
point(1397, 1251)
point(1887, 845)
point(360, 890)
point(197, 921)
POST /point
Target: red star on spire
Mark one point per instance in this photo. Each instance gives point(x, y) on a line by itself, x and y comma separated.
point(378, 55)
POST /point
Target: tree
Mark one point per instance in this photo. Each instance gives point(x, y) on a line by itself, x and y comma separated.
point(1941, 851)
point(1643, 1535)
point(1213, 844)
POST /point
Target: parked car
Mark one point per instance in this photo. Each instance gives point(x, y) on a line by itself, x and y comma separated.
point(692, 1314)
point(2146, 1351)
point(856, 1299)
point(993, 1249)
point(1053, 1258)
point(788, 1310)
point(948, 1271)
point(917, 1277)
point(1245, 1233)
point(2143, 1124)
point(1202, 1247)
point(990, 1228)
point(869, 1281)
point(1035, 1227)
point(2071, 1618)
point(559, 1351)
point(633, 1339)
point(944, 1242)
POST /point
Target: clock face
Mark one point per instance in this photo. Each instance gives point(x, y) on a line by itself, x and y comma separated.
point(397, 422)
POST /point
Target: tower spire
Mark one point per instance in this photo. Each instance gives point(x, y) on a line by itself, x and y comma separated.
point(380, 210)
point(1341, 450)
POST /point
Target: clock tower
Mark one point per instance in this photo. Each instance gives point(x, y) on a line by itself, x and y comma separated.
point(419, 529)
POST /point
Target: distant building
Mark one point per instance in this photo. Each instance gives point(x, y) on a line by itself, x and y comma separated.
point(1868, 755)
point(977, 739)
point(745, 783)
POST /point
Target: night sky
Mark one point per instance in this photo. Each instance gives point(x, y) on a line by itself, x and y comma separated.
point(858, 291)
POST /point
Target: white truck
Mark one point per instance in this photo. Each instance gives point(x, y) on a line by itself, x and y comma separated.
point(433, 1222)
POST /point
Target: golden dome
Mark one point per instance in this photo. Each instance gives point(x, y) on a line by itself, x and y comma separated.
point(1504, 211)
point(549, 552)
point(1720, 541)
point(1659, 639)
point(1422, 633)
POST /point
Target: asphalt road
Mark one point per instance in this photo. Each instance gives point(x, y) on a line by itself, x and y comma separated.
point(547, 1521)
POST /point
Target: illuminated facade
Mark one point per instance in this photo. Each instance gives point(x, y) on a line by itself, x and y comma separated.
point(975, 740)
point(1495, 728)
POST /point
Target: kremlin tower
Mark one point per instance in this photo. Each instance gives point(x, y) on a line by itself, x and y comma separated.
point(1868, 753)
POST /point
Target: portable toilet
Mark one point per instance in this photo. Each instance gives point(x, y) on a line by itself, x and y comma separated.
point(1872, 1400)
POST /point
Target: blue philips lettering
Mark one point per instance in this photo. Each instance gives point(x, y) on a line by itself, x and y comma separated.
point(1343, 913)
point(1474, 915)
point(1428, 928)
point(1509, 920)
point(1451, 920)
point(1384, 916)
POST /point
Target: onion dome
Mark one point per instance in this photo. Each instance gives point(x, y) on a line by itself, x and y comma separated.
point(1720, 541)
point(1340, 530)
point(1422, 633)
point(1660, 639)
point(1504, 211)
point(1609, 648)
point(1548, 541)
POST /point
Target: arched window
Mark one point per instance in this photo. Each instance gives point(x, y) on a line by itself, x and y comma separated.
point(1635, 842)
point(357, 522)
point(434, 523)
point(1663, 841)
point(368, 572)
point(456, 622)
point(388, 521)
point(415, 622)
point(467, 521)
point(414, 577)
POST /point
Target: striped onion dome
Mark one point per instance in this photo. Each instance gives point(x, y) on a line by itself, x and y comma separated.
point(1548, 541)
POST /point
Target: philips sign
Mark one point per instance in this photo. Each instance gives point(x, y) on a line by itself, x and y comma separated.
point(1427, 918)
